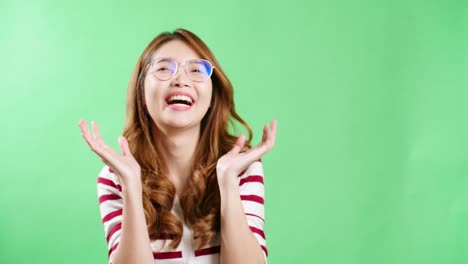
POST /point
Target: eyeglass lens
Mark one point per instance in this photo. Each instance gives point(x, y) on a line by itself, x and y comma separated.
point(197, 70)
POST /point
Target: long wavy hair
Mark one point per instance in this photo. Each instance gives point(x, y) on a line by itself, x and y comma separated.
point(200, 202)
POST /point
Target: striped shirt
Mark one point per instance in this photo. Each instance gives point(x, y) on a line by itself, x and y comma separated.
point(252, 196)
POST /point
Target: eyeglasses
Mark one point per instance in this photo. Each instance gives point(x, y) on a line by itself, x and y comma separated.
point(197, 70)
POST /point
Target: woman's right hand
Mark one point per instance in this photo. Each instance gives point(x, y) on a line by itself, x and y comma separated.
point(124, 165)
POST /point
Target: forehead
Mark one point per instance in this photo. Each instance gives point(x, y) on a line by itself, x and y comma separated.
point(177, 50)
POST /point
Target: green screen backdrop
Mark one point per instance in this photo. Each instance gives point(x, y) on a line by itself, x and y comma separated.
point(370, 164)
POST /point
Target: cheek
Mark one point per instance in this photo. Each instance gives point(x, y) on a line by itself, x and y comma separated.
point(153, 92)
point(210, 97)
point(209, 93)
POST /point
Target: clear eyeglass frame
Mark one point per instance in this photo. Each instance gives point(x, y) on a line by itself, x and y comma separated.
point(193, 77)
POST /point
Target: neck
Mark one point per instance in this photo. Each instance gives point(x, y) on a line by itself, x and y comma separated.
point(177, 147)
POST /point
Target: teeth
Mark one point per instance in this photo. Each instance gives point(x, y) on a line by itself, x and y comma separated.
point(180, 97)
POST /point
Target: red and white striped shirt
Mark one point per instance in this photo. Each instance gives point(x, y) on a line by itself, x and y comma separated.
point(252, 196)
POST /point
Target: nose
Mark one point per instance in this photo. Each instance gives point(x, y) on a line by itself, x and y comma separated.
point(180, 78)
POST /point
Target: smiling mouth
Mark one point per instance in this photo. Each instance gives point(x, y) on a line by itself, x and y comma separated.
point(179, 99)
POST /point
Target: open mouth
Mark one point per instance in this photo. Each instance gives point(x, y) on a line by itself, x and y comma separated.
point(179, 99)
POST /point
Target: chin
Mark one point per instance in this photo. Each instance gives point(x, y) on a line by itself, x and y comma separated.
point(182, 123)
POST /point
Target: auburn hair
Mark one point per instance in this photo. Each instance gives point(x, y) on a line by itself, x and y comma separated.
point(200, 201)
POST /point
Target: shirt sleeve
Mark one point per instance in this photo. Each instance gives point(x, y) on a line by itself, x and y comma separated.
point(252, 194)
point(110, 204)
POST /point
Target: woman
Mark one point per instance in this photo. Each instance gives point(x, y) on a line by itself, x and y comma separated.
point(184, 190)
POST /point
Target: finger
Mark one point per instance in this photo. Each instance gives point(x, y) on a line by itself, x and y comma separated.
point(88, 140)
point(256, 152)
point(81, 123)
point(270, 130)
point(96, 133)
point(274, 125)
point(96, 144)
point(86, 134)
point(265, 132)
point(124, 146)
point(268, 141)
point(240, 142)
point(83, 126)
point(272, 133)
point(269, 135)
point(105, 153)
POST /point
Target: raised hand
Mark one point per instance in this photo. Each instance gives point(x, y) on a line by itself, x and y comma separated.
point(124, 165)
point(234, 162)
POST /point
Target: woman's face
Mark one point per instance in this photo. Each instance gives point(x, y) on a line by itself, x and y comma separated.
point(178, 102)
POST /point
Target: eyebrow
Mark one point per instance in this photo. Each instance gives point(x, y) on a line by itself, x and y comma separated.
point(162, 58)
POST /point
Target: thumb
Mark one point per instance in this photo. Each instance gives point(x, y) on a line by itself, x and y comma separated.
point(240, 142)
point(123, 143)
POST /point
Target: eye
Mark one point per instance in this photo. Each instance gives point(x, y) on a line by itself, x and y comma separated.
point(164, 66)
point(163, 69)
point(198, 69)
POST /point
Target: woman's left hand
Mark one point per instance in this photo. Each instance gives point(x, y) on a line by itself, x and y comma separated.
point(231, 164)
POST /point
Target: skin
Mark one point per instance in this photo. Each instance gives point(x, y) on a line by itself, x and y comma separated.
point(177, 136)
point(178, 131)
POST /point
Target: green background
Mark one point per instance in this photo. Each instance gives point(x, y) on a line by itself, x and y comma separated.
point(370, 164)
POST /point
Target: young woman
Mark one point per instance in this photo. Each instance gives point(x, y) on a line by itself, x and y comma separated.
point(184, 189)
